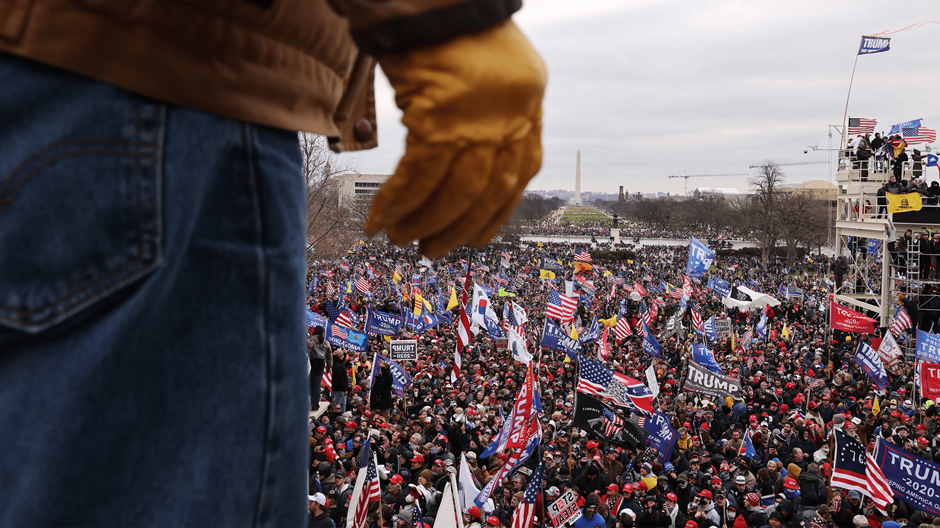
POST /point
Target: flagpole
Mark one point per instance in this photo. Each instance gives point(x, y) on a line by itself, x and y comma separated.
point(846, 115)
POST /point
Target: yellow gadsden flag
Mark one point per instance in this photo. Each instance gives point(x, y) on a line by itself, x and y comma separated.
point(903, 203)
point(452, 302)
point(875, 408)
point(546, 274)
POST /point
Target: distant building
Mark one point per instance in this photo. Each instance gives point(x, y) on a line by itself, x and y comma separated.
point(724, 192)
point(359, 187)
point(818, 189)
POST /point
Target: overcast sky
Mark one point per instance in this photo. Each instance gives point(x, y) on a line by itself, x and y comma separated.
point(649, 88)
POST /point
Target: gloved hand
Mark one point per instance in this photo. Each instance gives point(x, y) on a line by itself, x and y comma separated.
point(473, 109)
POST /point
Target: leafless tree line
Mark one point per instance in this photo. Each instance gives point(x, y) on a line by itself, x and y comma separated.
point(769, 215)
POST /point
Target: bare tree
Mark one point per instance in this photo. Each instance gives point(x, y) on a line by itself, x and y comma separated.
point(799, 216)
point(764, 217)
point(331, 229)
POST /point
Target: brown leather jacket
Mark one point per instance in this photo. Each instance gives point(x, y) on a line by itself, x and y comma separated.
point(293, 64)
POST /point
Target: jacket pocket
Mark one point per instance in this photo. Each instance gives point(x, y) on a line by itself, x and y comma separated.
point(80, 212)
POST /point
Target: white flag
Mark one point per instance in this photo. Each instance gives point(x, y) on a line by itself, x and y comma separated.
point(517, 345)
point(481, 306)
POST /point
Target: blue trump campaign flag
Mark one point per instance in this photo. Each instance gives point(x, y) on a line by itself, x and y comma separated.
point(747, 448)
point(872, 44)
point(555, 338)
point(492, 328)
point(382, 323)
point(650, 345)
point(762, 326)
point(719, 286)
point(700, 258)
point(706, 358)
point(873, 245)
point(914, 479)
point(869, 360)
point(314, 319)
point(928, 347)
point(710, 333)
point(593, 332)
point(401, 380)
point(661, 435)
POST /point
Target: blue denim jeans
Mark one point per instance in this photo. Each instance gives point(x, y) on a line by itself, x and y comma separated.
point(152, 346)
point(339, 398)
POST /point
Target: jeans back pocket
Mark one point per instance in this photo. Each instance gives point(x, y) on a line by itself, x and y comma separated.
point(80, 212)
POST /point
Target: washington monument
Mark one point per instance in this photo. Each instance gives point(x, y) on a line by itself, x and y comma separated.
point(577, 181)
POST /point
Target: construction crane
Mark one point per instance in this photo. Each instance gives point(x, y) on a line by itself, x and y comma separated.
point(706, 175)
point(785, 162)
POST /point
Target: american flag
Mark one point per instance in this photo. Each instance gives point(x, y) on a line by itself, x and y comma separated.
point(760, 359)
point(622, 328)
point(582, 256)
point(915, 135)
point(901, 322)
point(362, 285)
point(651, 314)
point(595, 379)
point(327, 380)
point(524, 516)
point(347, 318)
point(560, 306)
point(612, 423)
point(338, 332)
point(860, 125)
point(370, 491)
point(330, 289)
point(627, 288)
point(697, 323)
point(853, 468)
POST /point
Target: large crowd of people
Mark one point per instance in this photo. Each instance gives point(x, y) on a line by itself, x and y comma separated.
point(799, 385)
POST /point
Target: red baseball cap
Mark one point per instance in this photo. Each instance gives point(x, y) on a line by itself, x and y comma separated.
point(706, 493)
point(396, 479)
point(672, 497)
point(418, 458)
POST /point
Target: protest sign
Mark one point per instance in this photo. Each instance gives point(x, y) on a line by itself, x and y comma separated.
point(403, 350)
point(723, 327)
point(564, 511)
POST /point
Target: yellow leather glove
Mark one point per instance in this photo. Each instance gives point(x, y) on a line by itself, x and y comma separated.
point(473, 109)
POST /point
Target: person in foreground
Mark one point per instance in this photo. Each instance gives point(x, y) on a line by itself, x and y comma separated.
point(152, 229)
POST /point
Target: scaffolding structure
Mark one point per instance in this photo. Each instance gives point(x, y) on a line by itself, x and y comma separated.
point(882, 264)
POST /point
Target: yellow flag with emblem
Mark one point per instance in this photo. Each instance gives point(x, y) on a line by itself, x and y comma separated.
point(546, 274)
point(786, 332)
point(419, 302)
point(396, 278)
point(875, 408)
point(452, 302)
point(608, 322)
point(903, 203)
point(607, 273)
point(574, 332)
